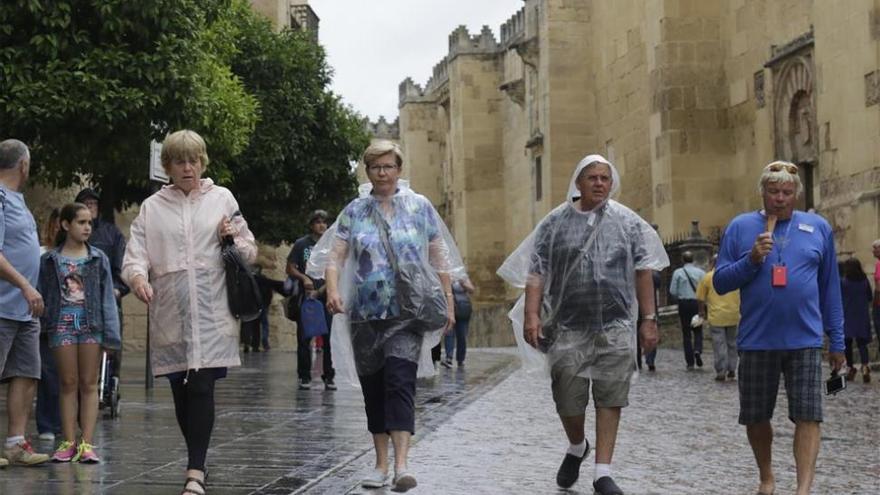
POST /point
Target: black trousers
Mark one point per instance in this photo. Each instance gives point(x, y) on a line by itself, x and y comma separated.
point(250, 334)
point(692, 338)
point(194, 407)
point(389, 396)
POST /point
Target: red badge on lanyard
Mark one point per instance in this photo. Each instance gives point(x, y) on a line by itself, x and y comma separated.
point(778, 276)
point(778, 272)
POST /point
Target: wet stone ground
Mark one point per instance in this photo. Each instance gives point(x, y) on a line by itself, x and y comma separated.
point(678, 436)
point(269, 437)
point(487, 429)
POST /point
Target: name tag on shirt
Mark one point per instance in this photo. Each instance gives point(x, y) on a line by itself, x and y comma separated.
point(805, 227)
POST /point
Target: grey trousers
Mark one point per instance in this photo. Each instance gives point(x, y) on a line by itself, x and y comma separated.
point(724, 348)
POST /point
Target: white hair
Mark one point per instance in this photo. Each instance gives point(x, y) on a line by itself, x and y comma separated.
point(875, 243)
point(783, 176)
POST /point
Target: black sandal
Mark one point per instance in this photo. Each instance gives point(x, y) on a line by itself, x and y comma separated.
point(187, 491)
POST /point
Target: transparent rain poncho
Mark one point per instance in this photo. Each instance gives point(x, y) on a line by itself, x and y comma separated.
point(585, 263)
point(366, 285)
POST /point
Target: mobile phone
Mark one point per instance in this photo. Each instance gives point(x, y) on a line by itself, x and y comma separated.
point(835, 384)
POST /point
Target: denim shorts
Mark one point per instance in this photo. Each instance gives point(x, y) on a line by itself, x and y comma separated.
point(759, 384)
point(74, 337)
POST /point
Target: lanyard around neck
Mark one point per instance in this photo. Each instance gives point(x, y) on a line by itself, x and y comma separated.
point(779, 243)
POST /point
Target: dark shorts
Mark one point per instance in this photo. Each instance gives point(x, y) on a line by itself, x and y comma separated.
point(759, 384)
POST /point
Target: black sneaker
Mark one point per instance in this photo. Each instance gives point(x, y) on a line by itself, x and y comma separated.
point(305, 384)
point(329, 385)
point(570, 469)
point(446, 363)
point(731, 374)
point(698, 360)
point(606, 486)
point(651, 367)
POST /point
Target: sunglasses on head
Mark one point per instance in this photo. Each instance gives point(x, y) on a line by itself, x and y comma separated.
point(778, 167)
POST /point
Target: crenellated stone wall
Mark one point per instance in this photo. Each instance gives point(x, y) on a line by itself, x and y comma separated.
point(689, 98)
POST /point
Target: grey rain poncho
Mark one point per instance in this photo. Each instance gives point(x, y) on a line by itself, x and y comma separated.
point(366, 281)
point(586, 263)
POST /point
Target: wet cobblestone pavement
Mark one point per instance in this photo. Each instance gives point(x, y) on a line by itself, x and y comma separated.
point(269, 437)
point(678, 436)
point(487, 429)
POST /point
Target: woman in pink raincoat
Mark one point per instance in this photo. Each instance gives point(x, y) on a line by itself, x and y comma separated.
point(173, 264)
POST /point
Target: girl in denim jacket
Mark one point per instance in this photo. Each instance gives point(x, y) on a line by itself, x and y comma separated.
point(81, 319)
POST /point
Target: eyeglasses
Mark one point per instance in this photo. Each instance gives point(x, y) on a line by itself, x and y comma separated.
point(381, 168)
point(780, 166)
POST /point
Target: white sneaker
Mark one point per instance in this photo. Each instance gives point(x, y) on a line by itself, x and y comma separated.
point(404, 482)
point(374, 479)
point(48, 436)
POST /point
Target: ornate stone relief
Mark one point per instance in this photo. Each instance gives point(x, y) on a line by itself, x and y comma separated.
point(794, 101)
point(872, 88)
point(760, 101)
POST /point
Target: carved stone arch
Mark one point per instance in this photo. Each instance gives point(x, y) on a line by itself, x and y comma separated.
point(795, 127)
point(795, 111)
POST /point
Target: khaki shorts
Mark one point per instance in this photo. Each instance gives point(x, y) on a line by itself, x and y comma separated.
point(19, 349)
point(571, 390)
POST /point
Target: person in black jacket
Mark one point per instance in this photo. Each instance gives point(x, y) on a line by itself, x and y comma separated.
point(107, 237)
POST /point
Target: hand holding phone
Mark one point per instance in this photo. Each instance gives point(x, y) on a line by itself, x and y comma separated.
point(835, 384)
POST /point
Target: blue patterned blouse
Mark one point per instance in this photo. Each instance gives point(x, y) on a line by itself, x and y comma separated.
point(413, 224)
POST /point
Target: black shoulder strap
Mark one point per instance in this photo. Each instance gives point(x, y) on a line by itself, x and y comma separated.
point(686, 274)
point(383, 227)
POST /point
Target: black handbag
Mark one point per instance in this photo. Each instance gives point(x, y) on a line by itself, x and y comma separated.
point(419, 292)
point(245, 300)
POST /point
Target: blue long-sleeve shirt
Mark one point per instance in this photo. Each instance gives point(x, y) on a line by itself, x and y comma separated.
point(790, 317)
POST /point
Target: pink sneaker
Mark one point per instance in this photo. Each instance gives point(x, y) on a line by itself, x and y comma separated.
point(65, 452)
point(85, 453)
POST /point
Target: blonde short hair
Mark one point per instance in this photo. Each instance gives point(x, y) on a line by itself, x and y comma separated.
point(382, 148)
point(184, 145)
point(780, 171)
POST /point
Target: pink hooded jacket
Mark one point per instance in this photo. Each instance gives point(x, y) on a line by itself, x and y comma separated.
point(175, 245)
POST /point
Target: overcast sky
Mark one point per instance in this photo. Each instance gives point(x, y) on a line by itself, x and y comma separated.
point(373, 45)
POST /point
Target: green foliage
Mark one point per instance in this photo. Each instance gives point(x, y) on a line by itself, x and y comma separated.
point(88, 83)
point(299, 157)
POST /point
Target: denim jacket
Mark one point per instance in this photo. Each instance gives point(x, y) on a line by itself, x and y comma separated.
point(100, 302)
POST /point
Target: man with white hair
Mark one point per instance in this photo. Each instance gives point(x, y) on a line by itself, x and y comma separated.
point(20, 303)
point(784, 263)
point(587, 270)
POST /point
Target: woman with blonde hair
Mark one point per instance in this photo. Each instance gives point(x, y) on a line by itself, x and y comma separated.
point(389, 262)
point(173, 264)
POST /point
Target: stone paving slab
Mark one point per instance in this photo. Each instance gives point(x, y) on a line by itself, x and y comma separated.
point(269, 437)
point(678, 436)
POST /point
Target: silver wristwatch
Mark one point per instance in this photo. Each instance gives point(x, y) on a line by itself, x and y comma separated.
point(652, 316)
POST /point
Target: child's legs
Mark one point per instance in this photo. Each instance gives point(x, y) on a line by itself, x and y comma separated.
point(67, 361)
point(89, 364)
